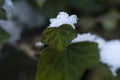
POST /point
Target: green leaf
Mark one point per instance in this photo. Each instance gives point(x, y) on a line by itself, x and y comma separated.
point(52, 10)
point(2, 11)
point(34, 4)
point(2, 14)
point(40, 2)
point(87, 6)
point(69, 64)
point(118, 74)
point(106, 73)
point(1, 2)
point(59, 37)
point(3, 36)
point(100, 73)
point(110, 24)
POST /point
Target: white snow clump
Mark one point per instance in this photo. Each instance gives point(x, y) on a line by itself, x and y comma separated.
point(89, 37)
point(63, 18)
point(110, 55)
point(39, 44)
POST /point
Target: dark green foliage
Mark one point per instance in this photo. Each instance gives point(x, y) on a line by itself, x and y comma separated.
point(2, 14)
point(33, 3)
point(16, 65)
point(2, 11)
point(62, 60)
point(99, 73)
point(86, 6)
point(3, 36)
point(52, 7)
point(1, 2)
point(69, 64)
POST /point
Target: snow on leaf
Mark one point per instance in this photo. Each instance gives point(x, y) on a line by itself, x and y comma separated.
point(63, 18)
point(89, 37)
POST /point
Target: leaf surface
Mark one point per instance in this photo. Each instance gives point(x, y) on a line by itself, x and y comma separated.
point(59, 37)
point(69, 64)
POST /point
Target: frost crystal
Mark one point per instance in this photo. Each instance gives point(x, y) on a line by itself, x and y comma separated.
point(63, 18)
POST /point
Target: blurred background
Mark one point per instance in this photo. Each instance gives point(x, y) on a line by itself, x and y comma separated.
point(26, 20)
